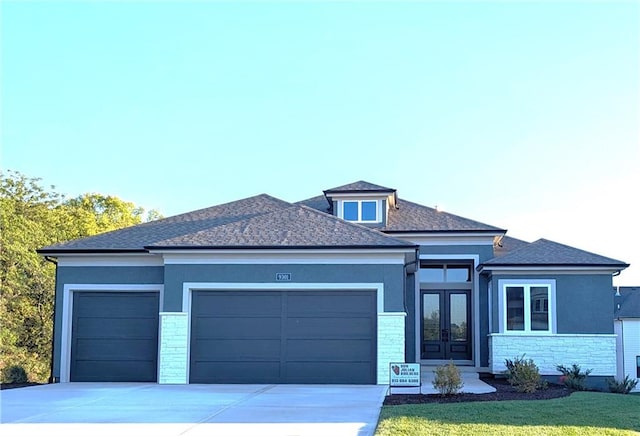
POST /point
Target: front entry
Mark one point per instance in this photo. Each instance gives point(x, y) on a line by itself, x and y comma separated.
point(446, 325)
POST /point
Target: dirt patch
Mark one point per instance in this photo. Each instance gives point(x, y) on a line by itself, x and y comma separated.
point(4, 386)
point(504, 392)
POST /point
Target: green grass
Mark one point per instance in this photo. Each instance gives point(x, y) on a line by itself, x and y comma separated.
point(582, 413)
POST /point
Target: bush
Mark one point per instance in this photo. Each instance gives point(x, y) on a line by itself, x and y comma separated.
point(447, 379)
point(524, 375)
point(14, 374)
point(573, 377)
point(624, 386)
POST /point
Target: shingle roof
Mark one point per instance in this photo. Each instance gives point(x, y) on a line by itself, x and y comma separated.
point(359, 186)
point(549, 253)
point(507, 245)
point(260, 221)
point(295, 226)
point(412, 217)
point(135, 238)
point(629, 301)
point(318, 203)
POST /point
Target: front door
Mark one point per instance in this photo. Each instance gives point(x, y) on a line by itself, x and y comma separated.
point(446, 325)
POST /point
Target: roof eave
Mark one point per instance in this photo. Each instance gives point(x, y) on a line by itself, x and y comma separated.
point(61, 252)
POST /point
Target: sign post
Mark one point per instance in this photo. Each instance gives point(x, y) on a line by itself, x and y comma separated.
point(404, 375)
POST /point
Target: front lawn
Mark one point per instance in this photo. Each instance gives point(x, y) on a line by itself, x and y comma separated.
point(582, 413)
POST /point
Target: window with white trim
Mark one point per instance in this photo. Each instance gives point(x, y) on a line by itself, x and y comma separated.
point(527, 307)
point(361, 211)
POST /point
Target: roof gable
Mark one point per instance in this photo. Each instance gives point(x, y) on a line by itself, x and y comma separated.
point(359, 186)
point(549, 253)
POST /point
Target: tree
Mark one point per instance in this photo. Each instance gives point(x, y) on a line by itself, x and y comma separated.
point(32, 217)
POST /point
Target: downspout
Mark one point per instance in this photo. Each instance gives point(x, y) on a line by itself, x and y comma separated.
point(52, 379)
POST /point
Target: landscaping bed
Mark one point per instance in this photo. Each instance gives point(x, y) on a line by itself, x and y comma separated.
point(504, 392)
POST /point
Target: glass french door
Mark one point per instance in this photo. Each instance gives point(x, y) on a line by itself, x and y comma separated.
point(446, 325)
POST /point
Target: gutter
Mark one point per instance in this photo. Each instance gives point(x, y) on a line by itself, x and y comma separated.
point(54, 261)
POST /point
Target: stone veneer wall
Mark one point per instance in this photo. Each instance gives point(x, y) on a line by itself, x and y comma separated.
point(390, 342)
point(172, 362)
point(597, 352)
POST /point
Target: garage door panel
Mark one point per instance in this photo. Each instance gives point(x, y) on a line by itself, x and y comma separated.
point(337, 372)
point(116, 305)
point(114, 349)
point(140, 328)
point(242, 328)
point(330, 327)
point(235, 372)
point(231, 304)
point(251, 349)
point(329, 350)
point(350, 303)
point(114, 336)
point(276, 336)
point(140, 371)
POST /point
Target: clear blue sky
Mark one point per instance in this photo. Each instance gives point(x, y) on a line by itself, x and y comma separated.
point(520, 115)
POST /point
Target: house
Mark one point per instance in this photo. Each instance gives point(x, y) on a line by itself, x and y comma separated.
point(327, 290)
point(627, 329)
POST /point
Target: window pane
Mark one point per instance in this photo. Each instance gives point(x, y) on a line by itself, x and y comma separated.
point(458, 317)
point(432, 274)
point(515, 308)
point(431, 317)
point(539, 308)
point(350, 210)
point(369, 210)
point(458, 274)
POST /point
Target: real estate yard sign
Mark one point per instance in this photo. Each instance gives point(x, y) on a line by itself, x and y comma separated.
point(404, 374)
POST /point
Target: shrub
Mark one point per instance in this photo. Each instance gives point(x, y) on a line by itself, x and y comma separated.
point(14, 374)
point(624, 386)
point(573, 377)
point(447, 379)
point(524, 375)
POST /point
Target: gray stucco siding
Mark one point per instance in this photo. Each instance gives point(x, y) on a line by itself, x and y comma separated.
point(579, 302)
point(392, 276)
point(485, 252)
point(96, 275)
point(484, 321)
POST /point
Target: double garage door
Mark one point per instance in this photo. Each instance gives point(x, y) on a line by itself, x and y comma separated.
point(305, 336)
point(283, 337)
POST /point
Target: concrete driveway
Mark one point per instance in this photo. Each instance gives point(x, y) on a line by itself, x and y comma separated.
point(80, 408)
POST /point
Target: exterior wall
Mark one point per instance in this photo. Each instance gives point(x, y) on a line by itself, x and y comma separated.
point(597, 352)
point(412, 313)
point(485, 252)
point(484, 322)
point(392, 276)
point(95, 275)
point(584, 303)
point(628, 330)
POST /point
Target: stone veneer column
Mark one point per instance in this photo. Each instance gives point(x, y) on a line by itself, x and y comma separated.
point(390, 342)
point(172, 362)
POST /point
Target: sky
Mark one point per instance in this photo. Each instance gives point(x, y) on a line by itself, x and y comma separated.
point(522, 115)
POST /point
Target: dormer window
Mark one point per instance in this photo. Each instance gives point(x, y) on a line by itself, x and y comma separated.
point(360, 211)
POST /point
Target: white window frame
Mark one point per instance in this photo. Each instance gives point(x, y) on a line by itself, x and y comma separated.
point(359, 202)
point(550, 284)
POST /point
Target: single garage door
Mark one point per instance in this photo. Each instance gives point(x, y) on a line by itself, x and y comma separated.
point(283, 337)
point(114, 336)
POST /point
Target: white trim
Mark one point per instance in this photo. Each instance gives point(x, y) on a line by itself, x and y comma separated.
point(522, 270)
point(359, 202)
point(443, 239)
point(121, 259)
point(526, 283)
point(67, 315)
point(277, 258)
point(350, 195)
point(188, 287)
point(293, 252)
point(475, 301)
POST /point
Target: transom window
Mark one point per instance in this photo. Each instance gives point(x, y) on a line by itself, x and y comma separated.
point(527, 307)
point(439, 273)
point(365, 211)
